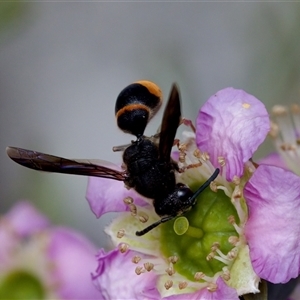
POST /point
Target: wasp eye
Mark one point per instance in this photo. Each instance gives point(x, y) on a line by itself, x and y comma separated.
point(184, 192)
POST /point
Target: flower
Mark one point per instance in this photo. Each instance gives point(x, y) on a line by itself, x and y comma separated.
point(217, 250)
point(40, 261)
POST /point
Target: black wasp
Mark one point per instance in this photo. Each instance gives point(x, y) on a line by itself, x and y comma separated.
point(149, 168)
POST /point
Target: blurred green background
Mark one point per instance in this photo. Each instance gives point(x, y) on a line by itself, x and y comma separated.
point(62, 66)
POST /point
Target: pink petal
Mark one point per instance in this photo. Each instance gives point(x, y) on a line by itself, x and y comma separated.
point(73, 258)
point(231, 124)
point(107, 195)
point(116, 277)
point(273, 159)
point(223, 292)
point(25, 219)
point(273, 228)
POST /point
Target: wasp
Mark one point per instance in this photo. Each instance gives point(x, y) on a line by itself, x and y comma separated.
point(148, 166)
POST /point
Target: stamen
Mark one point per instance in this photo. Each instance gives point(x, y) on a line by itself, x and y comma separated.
point(221, 161)
point(182, 285)
point(212, 287)
point(120, 233)
point(213, 186)
point(132, 209)
point(168, 284)
point(236, 180)
point(143, 217)
point(128, 200)
point(139, 270)
point(238, 229)
point(148, 266)
point(173, 259)
point(233, 240)
point(170, 271)
point(226, 273)
point(199, 276)
point(136, 259)
point(123, 247)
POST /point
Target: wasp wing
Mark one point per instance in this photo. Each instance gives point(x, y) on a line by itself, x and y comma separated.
point(170, 122)
point(50, 163)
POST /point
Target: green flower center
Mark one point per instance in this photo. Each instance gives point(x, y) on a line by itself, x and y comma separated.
point(21, 285)
point(191, 237)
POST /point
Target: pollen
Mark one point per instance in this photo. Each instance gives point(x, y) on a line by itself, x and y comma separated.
point(136, 259)
point(120, 233)
point(246, 105)
point(168, 284)
point(182, 285)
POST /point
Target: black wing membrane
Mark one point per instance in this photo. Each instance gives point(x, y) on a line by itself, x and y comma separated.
point(50, 163)
point(170, 122)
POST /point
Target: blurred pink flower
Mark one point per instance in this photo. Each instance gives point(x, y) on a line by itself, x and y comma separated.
point(40, 261)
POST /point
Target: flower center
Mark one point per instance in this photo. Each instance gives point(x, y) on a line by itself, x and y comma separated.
point(21, 285)
point(193, 237)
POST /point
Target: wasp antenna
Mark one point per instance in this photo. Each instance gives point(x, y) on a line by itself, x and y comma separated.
point(150, 227)
point(206, 183)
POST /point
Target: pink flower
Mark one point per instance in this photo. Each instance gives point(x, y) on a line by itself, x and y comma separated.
point(218, 249)
point(42, 261)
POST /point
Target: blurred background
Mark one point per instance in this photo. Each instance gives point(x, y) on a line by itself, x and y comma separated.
point(62, 66)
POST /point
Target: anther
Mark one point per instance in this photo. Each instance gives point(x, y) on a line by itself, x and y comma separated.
point(170, 271)
point(123, 248)
point(233, 240)
point(213, 186)
point(173, 259)
point(231, 220)
point(212, 287)
point(136, 259)
point(128, 200)
point(210, 256)
point(182, 285)
point(143, 217)
point(148, 266)
point(226, 273)
point(295, 108)
point(215, 246)
point(132, 209)
point(120, 233)
point(274, 130)
point(221, 161)
point(279, 110)
point(232, 254)
point(197, 153)
point(199, 276)
point(287, 147)
point(236, 180)
point(139, 270)
point(168, 284)
point(205, 156)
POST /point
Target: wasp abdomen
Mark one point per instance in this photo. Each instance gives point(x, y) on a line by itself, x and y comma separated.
point(136, 105)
